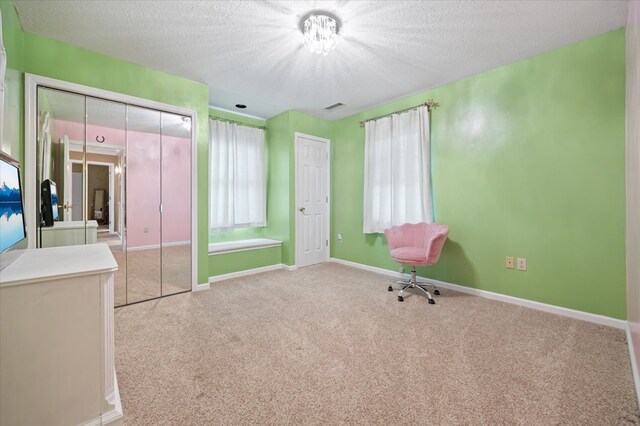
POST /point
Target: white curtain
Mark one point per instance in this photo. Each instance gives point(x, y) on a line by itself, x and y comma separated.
point(237, 183)
point(396, 171)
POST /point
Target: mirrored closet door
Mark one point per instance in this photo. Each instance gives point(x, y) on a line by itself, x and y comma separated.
point(144, 233)
point(176, 203)
point(105, 151)
point(119, 174)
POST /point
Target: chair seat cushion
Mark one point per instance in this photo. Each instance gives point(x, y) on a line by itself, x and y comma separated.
point(409, 254)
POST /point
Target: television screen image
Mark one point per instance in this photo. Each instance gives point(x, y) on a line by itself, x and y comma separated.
point(54, 201)
point(12, 227)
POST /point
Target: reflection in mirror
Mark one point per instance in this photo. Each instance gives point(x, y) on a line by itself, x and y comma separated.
point(61, 119)
point(105, 156)
point(176, 203)
point(143, 222)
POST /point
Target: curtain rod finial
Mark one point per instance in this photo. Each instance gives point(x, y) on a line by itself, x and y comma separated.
point(431, 104)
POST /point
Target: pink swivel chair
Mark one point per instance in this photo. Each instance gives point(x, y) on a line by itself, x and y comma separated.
point(414, 245)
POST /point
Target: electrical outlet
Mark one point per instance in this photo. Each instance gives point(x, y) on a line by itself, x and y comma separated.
point(401, 270)
point(509, 262)
point(522, 264)
point(340, 238)
point(146, 229)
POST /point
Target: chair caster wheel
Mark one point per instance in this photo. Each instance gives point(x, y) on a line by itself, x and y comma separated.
point(432, 302)
point(390, 288)
point(437, 292)
point(400, 299)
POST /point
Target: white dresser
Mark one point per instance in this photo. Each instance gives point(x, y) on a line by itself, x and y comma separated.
point(56, 338)
point(70, 233)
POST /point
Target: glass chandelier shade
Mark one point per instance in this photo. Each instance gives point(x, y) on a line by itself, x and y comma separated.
point(320, 32)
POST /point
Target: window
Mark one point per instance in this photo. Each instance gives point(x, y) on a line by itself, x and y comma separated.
point(237, 184)
point(396, 171)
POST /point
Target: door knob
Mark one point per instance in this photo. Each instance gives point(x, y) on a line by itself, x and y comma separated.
point(301, 209)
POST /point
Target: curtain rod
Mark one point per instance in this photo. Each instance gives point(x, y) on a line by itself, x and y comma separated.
point(239, 123)
point(430, 104)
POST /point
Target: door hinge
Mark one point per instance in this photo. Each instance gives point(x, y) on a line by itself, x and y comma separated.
point(160, 208)
point(326, 243)
point(327, 198)
point(327, 155)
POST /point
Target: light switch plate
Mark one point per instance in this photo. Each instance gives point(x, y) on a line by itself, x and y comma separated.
point(522, 264)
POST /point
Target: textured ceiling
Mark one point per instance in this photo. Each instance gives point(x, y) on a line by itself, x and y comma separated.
point(251, 52)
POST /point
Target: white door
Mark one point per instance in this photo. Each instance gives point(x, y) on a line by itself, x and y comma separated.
point(312, 200)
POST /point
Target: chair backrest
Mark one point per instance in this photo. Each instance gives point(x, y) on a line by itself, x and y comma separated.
point(426, 235)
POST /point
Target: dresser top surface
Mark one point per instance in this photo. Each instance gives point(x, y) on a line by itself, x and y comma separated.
point(45, 264)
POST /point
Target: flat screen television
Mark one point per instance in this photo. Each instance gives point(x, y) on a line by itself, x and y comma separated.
point(49, 202)
point(13, 233)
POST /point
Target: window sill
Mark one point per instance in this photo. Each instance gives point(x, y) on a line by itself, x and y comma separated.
point(242, 245)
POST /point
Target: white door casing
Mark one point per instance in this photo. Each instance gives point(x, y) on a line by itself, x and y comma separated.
point(110, 167)
point(111, 198)
point(66, 176)
point(312, 199)
point(76, 196)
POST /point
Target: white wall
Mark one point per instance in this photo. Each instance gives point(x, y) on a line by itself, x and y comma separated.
point(633, 174)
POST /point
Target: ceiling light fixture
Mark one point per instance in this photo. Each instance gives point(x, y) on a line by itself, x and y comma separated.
point(320, 31)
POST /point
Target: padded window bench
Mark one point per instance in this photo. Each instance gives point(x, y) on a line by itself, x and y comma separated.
point(242, 245)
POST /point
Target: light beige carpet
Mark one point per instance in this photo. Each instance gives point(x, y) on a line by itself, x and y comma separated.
point(139, 273)
point(328, 344)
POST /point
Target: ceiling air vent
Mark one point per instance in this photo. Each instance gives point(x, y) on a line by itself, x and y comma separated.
point(334, 105)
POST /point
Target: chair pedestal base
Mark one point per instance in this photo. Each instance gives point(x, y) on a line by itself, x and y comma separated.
point(413, 283)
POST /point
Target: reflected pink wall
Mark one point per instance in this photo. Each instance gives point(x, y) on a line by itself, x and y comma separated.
point(76, 131)
point(176, 189)
point(143, 190)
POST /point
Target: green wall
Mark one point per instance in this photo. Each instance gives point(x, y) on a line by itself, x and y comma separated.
point(278, 183)
point(528, 161)
point(34, 54)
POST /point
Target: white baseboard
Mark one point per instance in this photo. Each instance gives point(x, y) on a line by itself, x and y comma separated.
point(634, 366)
point(289, 267)
point(253, 271)
point(558, 310)
point(157, 246)
point(200, 287)
point(113, 417)
point(375, 269)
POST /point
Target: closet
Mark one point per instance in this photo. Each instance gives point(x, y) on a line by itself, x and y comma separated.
point(121, 174)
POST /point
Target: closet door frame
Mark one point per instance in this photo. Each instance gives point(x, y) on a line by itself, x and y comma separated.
point(31, 84)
